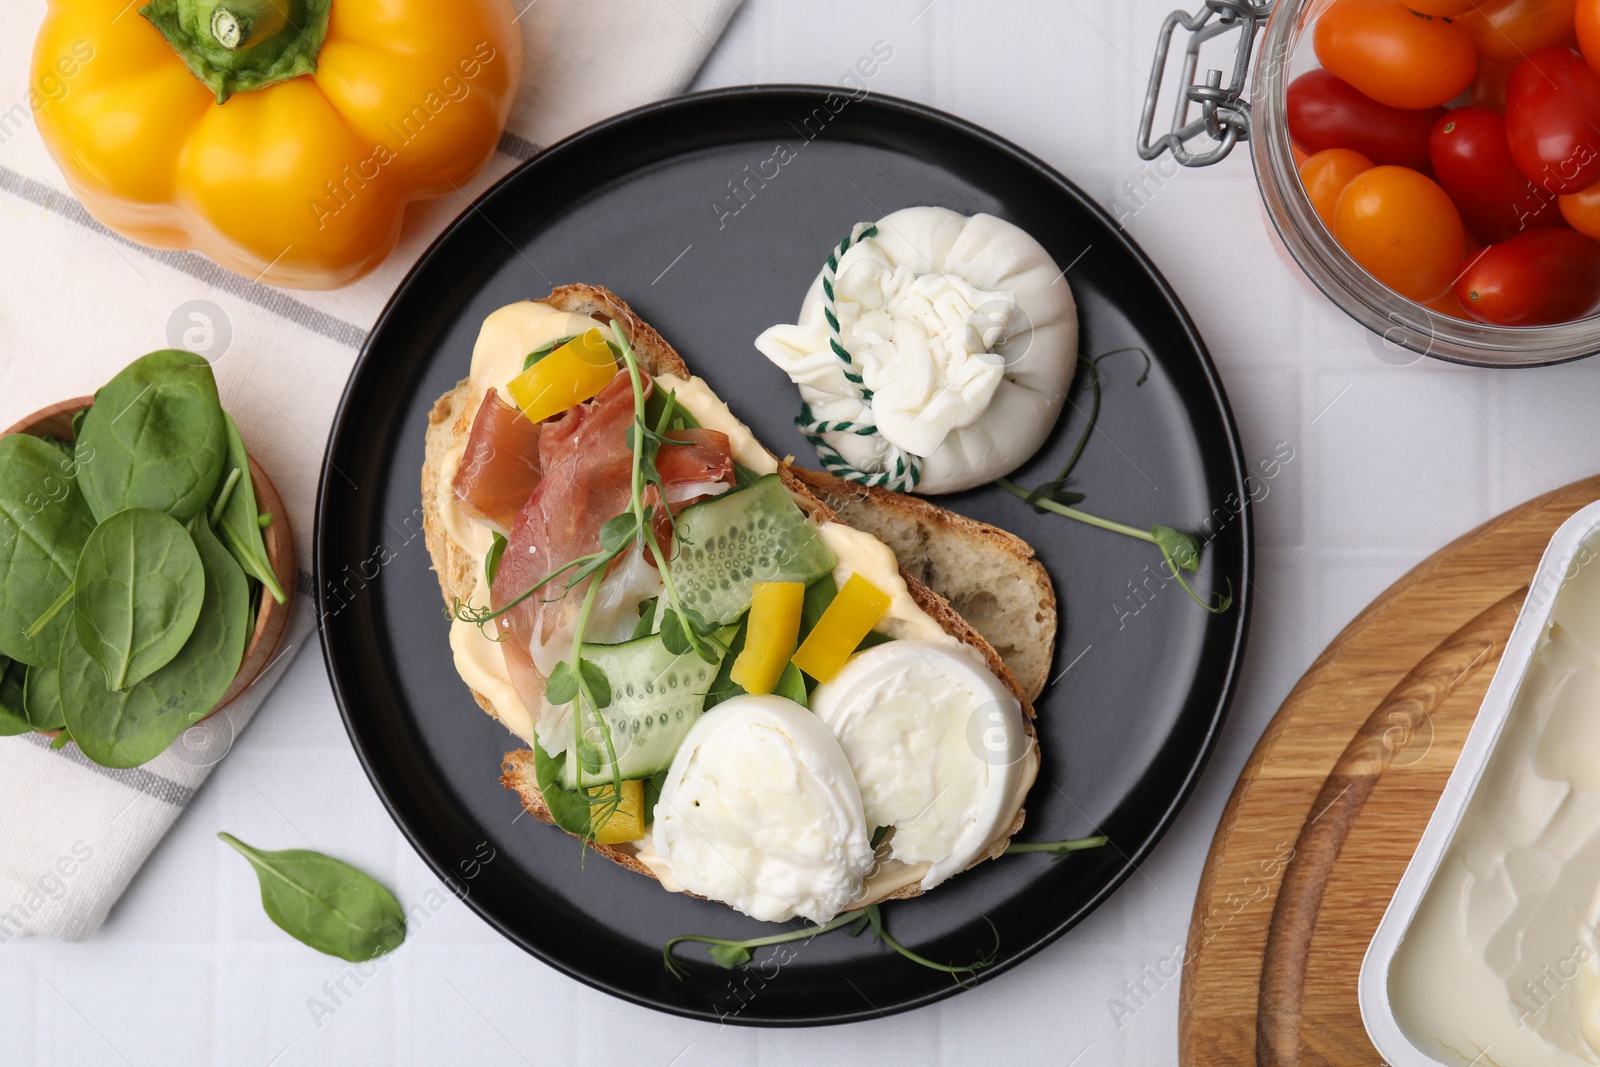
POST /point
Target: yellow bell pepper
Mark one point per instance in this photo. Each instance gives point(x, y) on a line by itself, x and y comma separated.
point(283, 138)
point(770, 636)
point(575, 372)
point(851, 616)
point(626, 821)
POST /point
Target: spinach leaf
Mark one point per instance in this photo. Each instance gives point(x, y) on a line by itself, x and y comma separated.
point(235, 517)
point(647, 618)
point(652, 793)
point(491, 562)
point(792, 684)
point(539, 353)
point(326, 903)
point(155, 438)
point(13, 716)
point(42, 699)
point(44, 522)
point(132, 727)
point(569, 810)
point(139, 587)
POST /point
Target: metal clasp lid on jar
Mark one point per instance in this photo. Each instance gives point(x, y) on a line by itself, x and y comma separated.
point(1224, 118)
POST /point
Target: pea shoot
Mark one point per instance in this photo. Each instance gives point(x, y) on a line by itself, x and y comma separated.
point(1180, 551)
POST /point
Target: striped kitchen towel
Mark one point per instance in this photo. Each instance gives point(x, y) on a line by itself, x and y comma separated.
point(78, 302)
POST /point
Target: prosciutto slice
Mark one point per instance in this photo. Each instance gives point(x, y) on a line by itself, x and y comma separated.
point(499, 469)
point(587, 470)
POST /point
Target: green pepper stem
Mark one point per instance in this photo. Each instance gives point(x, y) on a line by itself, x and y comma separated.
point(240, 24)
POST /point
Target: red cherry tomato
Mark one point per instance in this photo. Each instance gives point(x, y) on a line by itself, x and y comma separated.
point(1513, 29)
point(1489, 87)
point(1535, 279)
point(1582, 211)
point(1553, 120)
point(1401, 227)
point(1326, 174)
point(1393, 54)
point(1472, 160)
point(1325, 112)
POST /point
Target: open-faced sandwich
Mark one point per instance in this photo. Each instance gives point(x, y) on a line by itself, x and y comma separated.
point(723, 678)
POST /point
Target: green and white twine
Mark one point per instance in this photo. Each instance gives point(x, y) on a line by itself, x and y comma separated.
point(905, 469)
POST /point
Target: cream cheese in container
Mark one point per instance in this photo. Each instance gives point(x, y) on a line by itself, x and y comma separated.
point(1489, 952)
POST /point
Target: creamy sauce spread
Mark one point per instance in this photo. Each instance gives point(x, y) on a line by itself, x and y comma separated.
point(1502, 960)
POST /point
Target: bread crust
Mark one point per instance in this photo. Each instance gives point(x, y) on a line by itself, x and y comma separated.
point(449, 422)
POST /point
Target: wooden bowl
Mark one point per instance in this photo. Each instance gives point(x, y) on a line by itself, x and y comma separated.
point(272, 621)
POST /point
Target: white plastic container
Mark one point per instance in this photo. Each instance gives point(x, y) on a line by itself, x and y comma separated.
point(1488, 898)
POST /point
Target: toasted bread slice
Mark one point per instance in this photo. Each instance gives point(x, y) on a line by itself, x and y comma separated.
point(1024, 621)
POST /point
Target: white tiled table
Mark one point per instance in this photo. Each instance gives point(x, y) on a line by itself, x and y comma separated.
point(1391, 462)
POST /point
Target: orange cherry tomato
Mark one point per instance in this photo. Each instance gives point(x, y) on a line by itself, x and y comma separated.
point(1393, 54)
point(1439, 7)
point(1510, 29)
point(1300, 155)
point(1587, 19)
point(1399, 225)
point(1448, 305)
point(1582, 211)
point(1326, 174)
point(1489, 87)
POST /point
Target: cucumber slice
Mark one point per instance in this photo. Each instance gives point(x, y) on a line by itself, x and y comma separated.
point(655, 698)
point(728, 543)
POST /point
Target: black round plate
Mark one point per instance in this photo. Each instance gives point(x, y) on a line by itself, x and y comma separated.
point(710, 214)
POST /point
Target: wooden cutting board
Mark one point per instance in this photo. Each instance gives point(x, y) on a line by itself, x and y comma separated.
point(1334, 799)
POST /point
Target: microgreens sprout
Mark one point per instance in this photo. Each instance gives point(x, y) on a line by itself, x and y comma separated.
point(645, 444)
point(1180, 550)
point(729, 953)
point(1057, 849)
point(576, 679)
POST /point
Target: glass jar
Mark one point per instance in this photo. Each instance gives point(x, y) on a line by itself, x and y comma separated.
point(1226, 119)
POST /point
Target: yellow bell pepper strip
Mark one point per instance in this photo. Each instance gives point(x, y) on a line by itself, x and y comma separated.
point(851, 616)
point(283, 138)
point(573, 373)
point(770, 637)
point(625, 822)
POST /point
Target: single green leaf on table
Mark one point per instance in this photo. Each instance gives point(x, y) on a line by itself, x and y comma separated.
point(234, 514)
point(132, 727)
point(326, 903)
point(139, 587)
point(44, 522)
point(491, 562)
point(13, 711)
point(41, 699)
point(155, 438)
